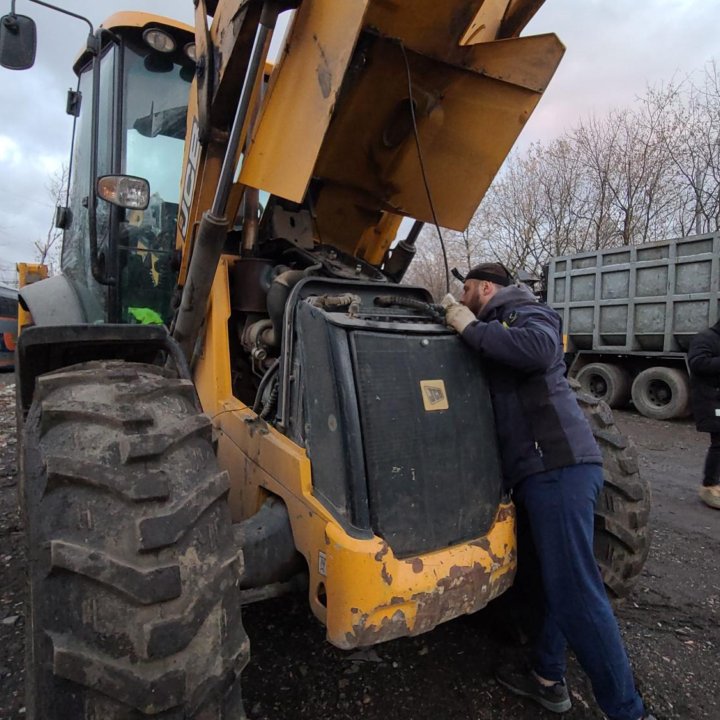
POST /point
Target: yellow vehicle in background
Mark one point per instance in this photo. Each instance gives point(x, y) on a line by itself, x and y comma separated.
point(8, 326)
point(307, 422)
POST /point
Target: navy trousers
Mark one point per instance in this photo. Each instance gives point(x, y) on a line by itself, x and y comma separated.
point(555, 531)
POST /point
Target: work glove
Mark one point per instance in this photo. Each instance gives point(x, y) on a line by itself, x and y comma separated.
point(457, 316)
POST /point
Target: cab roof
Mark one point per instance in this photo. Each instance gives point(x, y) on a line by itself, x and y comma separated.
point(137, 19)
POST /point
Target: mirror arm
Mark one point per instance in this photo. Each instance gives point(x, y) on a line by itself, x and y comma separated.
point(60, 10)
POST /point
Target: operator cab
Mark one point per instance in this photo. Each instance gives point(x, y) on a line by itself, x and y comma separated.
point(145, 67)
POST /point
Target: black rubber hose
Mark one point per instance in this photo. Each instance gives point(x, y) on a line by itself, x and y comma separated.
point(437, 312)
point(271, 402)
point(266, 378)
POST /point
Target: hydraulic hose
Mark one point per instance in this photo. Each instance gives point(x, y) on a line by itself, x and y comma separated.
point(437, 312)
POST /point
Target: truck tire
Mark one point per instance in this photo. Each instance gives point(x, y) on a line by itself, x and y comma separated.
point(133, 607)
point(622, 533)
point(606, 382)
point(661, 393)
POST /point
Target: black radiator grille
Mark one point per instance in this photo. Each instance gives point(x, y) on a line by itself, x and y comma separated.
point(433, 475)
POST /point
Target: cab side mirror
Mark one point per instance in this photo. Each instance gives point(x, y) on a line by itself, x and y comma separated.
point(18, 40)
point(125, 191)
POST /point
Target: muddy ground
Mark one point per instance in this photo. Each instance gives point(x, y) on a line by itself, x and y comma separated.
point(671, 623)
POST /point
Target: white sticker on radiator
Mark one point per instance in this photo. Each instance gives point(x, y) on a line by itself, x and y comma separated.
point(322, 564)
point(717, 412)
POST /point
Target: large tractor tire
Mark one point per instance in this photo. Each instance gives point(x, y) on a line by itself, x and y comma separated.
point(134, 608)
point(622, 533)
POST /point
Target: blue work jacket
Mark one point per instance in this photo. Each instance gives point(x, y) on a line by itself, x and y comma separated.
point(540, 425)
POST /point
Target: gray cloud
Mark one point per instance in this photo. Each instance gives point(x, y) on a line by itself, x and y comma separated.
point(615, 49)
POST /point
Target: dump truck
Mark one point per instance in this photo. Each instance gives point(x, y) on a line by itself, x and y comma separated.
point(629, 314)
point(226, 394)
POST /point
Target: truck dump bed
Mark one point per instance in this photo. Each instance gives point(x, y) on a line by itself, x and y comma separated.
point(643, 299)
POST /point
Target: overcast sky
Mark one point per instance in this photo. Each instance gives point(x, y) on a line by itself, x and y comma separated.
point(615, 48)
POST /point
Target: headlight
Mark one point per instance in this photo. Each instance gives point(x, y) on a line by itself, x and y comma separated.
point(190, 51)
point(159, 40)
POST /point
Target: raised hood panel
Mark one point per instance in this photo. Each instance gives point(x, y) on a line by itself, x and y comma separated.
point(348, 125)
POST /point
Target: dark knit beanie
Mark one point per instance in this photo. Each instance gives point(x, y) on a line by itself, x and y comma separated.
point(492, 272)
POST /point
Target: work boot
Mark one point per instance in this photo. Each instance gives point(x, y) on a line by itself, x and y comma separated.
point(526, 684)
point(710, 495)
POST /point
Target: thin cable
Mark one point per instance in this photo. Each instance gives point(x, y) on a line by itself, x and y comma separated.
point(422, 166)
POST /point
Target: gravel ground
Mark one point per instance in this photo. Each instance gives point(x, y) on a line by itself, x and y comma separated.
point(671, 623)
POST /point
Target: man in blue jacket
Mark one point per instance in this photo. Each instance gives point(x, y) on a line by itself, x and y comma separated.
point(553, 468)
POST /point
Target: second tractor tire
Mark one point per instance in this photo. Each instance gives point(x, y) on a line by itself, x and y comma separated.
point(622, 512)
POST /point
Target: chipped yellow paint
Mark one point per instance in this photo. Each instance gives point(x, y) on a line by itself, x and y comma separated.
point(376, 239)
point(371, 596)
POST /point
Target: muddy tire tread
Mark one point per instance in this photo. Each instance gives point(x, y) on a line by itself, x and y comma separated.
point(622, 514)
point(134, 602)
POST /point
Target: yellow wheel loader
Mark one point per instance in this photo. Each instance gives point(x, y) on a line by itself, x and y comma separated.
point(227, 394)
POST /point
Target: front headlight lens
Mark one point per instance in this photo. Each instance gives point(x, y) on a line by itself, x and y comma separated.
point(159, 40)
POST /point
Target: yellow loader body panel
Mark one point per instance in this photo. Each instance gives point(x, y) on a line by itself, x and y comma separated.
point(334, 116)
point(357, 587)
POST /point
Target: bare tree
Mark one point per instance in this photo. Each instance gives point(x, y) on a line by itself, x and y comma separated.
point(536, 208)
point(630, 175)
point(691, 138)
point(48, 248)
point(428, 266)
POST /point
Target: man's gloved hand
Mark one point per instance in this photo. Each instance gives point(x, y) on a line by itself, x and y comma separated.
point(449, 300)
point(457, 316)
